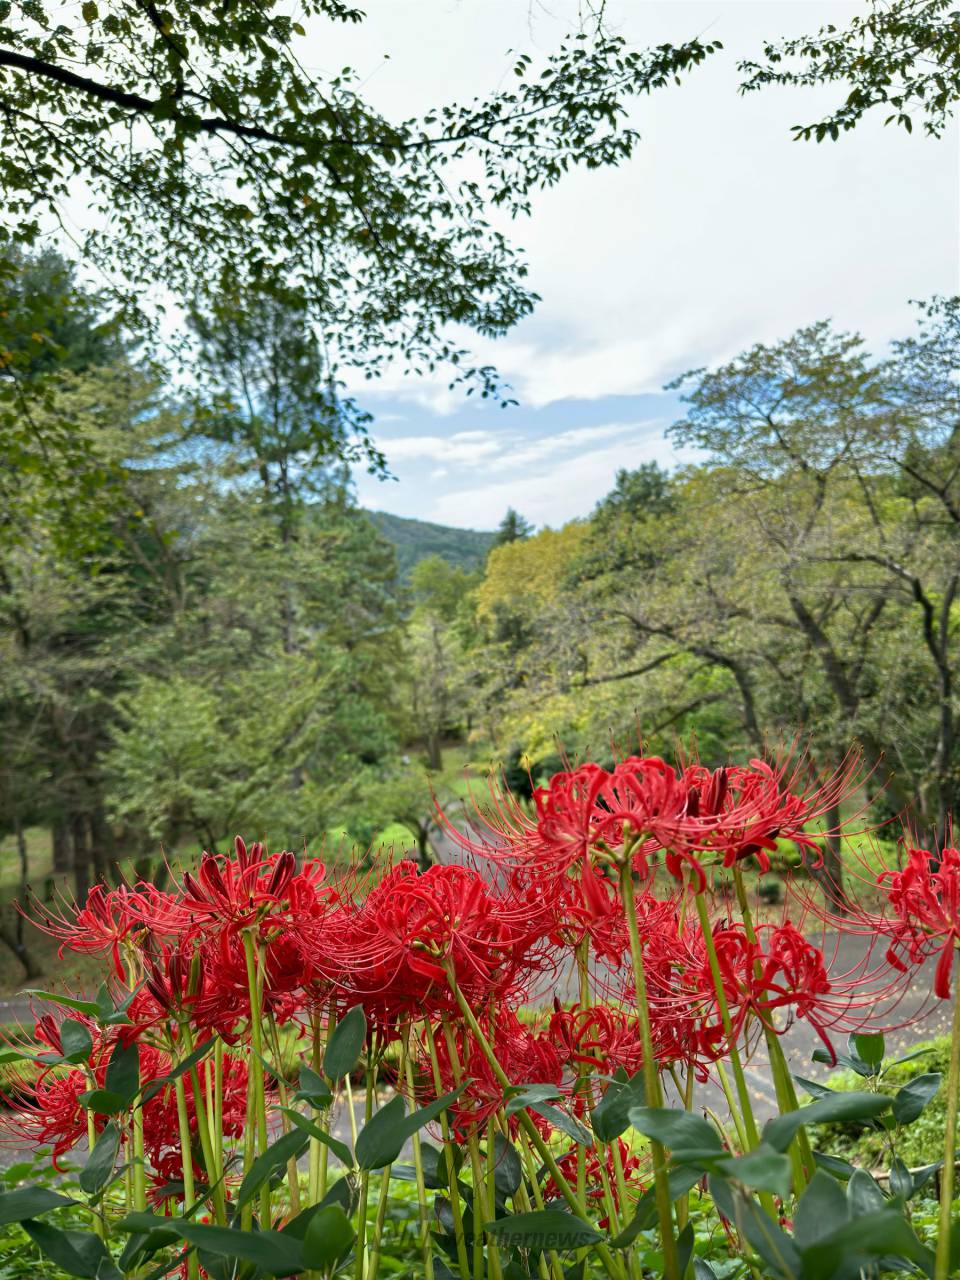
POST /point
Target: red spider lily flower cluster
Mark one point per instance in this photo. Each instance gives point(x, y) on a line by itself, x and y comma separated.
point(47, 1109)
point(256, 940)
point(602, 1176)
point(924, 897)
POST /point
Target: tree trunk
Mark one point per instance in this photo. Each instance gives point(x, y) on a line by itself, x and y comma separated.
point(102, 848)
point(9, 937)
point(62, 852)
point(424, 857)
point(434, 751)
point(79, 831)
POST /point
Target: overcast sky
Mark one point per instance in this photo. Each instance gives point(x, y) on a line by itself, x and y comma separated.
point(722, 231)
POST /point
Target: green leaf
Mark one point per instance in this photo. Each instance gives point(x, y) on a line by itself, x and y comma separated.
point(763, 1169)
point(277, 1253)
point(909, 1102)
point(102, 1102)
point(566, 1124)
point(507, 1169)
point(780, 1132)
point(922, 1176)
point(543, 1229)
point(328, 1238)
point(610, 1117)
point(680, 1181)
point(851, 1062)
point(685, 1243)
point(68, 1002)
point(528, 1095)
point(434, 1168)
point(89, 11)
point(346, 1044)
point(812, 1087)
point(78, 1253)
point(779, 1253)
point(313, 1089)
point(28, 1202)
point(821, 1209)
point(76, 1040)
point(685, 1134)
point(273, 1252)
point(288, 1147)
point(187, 1064)
point(96, 1172)
point(868, 1048)
point(833, 1165)
point(381, 1139)
point(855, 1244)
point(123, 1071)
point(901, 1179)
point(339, 1149)
point(864, 1194)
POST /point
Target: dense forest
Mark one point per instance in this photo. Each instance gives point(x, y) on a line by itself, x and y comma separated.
point(222, 640)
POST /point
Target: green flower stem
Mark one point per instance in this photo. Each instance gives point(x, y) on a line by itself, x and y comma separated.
point(651, 1076)
point(482, 1210)
point(203, 1132)
point(293, 1174)
point(384, 1192)
point(375, 1248)
point(728, 1093)
point(750, 1131)
point(555, 1269)
point(743, 1093)
point(426, 1240)
point(582, 1070)
point(942, 1265)
point(139, 1163)
point(801, 1152)
point(249, 1144)
point(351, 1106)
point(521, 1200)
point(314, 1193)
point(455, 1207)
point(361, 1245)
point(610, 1263)
point(189, 1193)
point(493, 1247)
point(256, 1063)
point(218, 1103)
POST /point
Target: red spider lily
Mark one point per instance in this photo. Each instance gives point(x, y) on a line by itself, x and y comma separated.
point(238, 892)
point(524, 1055)
point(740, 811)
point(174, 978)
point(784, 975)
point(394, 948)
point(590, 808)
point(224, 1003)
point(568, 1166)
point(599, 1037)
point(100, 925)
point(47, 1111)
point(45, 1108)
point(925, 899)
point(160, 1120)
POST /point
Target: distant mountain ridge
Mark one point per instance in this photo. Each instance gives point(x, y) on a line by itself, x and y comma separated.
point(416, 539)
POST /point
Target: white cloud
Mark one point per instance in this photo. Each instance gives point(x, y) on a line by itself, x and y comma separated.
point(552, 494)
point(464, 447)
point(720, 232)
